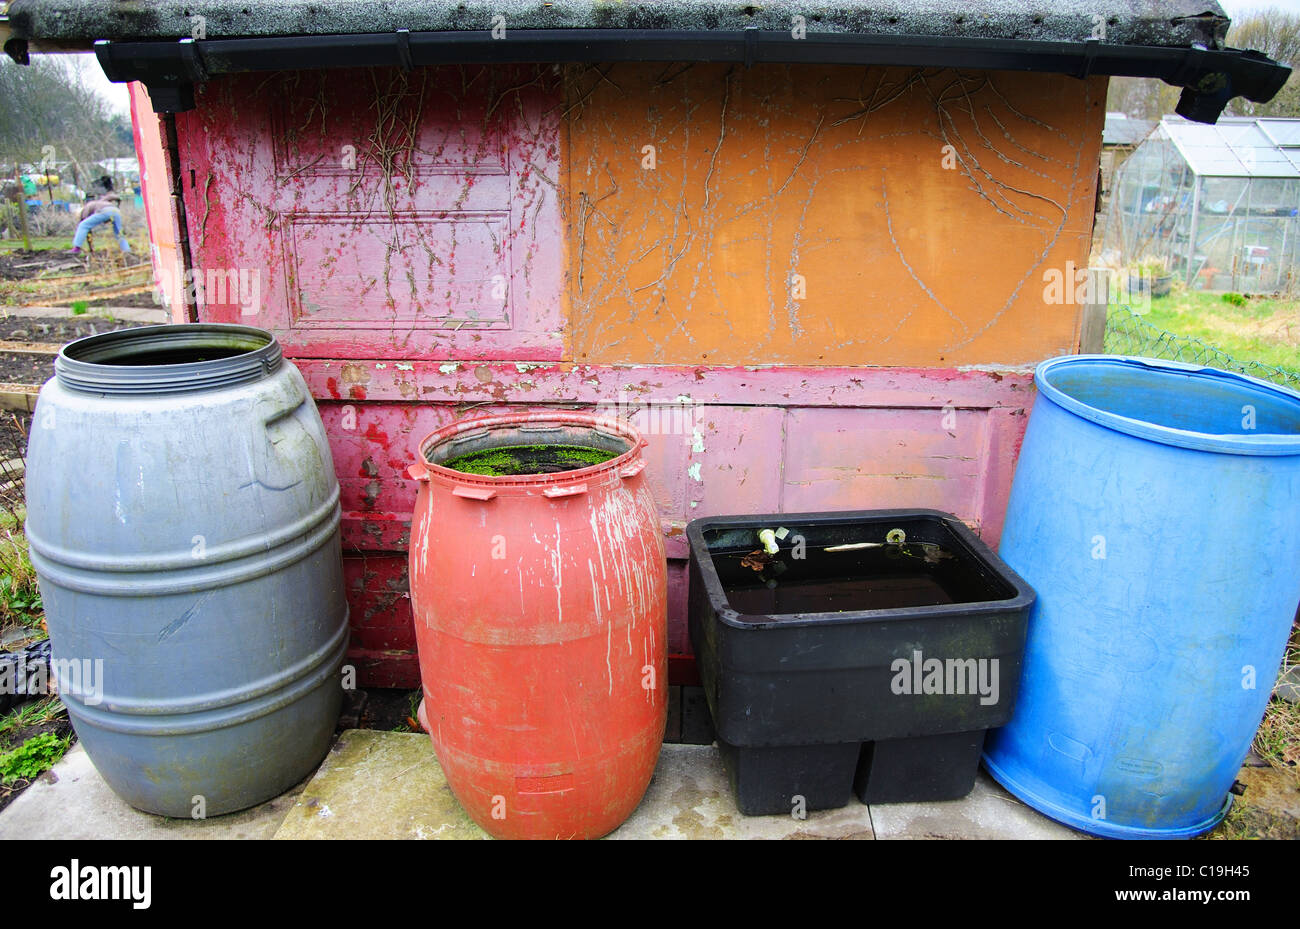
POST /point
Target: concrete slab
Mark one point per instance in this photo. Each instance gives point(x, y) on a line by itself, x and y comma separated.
point(378, 785)
point(988, 812)
point(388, 785)
point(689, 798)
point(71, 801)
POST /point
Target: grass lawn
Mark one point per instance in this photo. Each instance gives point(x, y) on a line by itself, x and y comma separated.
point(39, 242)
point(1260, 329)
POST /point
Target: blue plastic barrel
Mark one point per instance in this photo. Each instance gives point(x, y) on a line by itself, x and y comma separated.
point(1156, 510)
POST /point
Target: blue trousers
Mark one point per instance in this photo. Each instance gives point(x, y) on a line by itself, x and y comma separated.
point(103, 216)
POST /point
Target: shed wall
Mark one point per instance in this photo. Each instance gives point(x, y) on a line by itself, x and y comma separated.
point(458, 240)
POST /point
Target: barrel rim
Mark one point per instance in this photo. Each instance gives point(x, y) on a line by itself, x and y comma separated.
point(1021, 600)
point(447, 475)
point(1261, 444)
point(74, 371)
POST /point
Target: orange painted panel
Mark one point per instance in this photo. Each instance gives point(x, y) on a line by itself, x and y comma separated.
point(826, 215)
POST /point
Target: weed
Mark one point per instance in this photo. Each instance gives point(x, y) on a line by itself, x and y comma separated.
point(34, 757)
point(20, 597)
point(30, 714)
point(413, 704)
point(18, 600)
point(79, 307)
point(528, 459)
point(1234, 299)
point(1154, 267)
point(1277, 740)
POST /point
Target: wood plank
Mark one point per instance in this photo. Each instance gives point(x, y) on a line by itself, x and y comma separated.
point(663, 388)
point(18, 396)
point(30, 348)
point(1092, 332)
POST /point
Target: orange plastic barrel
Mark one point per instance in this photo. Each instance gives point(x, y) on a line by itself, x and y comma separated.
point(540, 605)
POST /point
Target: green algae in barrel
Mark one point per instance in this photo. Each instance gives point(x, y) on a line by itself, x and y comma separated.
point(512, 460)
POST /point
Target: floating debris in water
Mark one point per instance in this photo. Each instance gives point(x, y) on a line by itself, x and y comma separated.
point(756, 560)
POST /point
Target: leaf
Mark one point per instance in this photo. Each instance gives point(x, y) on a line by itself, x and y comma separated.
point(756, 560)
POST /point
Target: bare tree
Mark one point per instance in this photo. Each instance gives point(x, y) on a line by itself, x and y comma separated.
point(47, 115)
point(1272, 31)
point(1276, 33)
point(1141, 97)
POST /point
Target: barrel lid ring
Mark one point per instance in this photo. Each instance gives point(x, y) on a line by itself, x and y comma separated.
point(1080, 385)
point(168, 359)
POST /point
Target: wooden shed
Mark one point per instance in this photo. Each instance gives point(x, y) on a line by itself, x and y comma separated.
point(813, 249)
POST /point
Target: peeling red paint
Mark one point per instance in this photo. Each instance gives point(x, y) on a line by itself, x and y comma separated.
point(374, 434)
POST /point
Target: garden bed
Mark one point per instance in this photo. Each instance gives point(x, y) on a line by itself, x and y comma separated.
point(41, 732)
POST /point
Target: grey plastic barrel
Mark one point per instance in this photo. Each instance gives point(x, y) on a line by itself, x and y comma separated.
point(183, 519)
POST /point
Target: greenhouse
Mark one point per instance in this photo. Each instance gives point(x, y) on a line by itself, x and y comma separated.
point(1212, 205)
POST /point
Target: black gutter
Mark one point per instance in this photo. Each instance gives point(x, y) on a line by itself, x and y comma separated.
point(1209, 78)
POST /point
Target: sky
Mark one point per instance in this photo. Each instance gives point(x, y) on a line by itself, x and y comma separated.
point(1235, 8)
point(116, 94)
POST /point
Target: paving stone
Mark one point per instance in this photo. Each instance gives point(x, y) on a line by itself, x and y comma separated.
point(386, 785)
point(690, 798)
point(71, 801)
point(988, 812)
point(378, 785)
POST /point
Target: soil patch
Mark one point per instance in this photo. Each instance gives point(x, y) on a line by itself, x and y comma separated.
point(14, 426)
point(23, 368)
point(19, 368)
point(20, 264)
point(58, 329)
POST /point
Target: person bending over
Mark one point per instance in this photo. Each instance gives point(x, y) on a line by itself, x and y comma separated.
point(97, 213)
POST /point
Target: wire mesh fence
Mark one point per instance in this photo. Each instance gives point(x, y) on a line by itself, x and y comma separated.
point(1129, 334)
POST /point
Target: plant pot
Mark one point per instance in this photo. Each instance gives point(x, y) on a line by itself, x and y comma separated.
point(1155, 285)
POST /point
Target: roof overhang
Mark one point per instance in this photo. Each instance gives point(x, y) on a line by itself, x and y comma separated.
point(169, 66)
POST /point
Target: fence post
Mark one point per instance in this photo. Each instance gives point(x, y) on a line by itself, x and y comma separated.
point(1092, 330)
